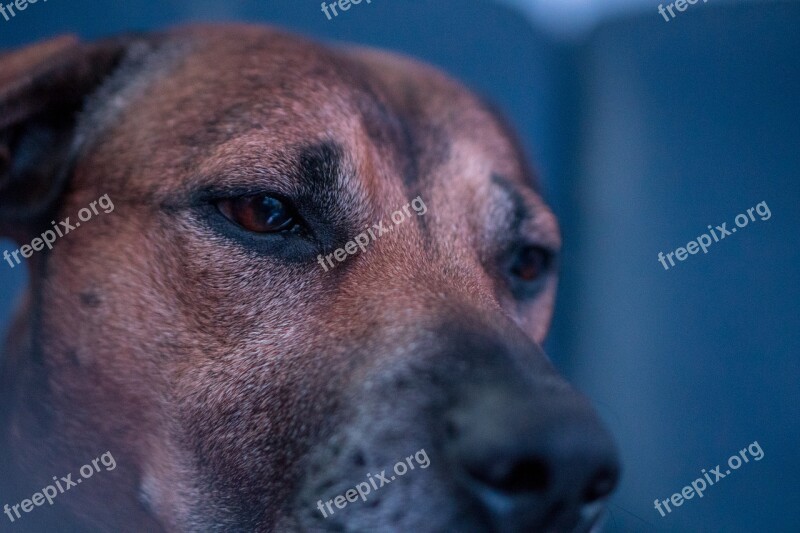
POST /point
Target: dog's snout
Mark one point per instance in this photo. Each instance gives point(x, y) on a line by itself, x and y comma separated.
point(513, 447)
point(531, 453)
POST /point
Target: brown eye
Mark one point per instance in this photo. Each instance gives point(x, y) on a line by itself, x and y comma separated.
point(259, 214)
point(530, 263)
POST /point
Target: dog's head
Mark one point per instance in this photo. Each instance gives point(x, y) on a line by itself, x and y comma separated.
point(245, 372)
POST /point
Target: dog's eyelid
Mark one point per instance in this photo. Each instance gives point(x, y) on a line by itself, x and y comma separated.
point(536, 237)
point(216, 192)
point(536, 243)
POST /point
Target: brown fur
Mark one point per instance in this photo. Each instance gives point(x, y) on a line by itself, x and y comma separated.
point(212, 372)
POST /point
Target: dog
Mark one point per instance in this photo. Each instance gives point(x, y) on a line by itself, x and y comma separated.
point(192, 335)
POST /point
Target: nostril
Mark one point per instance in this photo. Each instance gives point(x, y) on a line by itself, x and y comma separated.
point(530, 475)
point(530, 467)
point(600, 485)
point(527, 475)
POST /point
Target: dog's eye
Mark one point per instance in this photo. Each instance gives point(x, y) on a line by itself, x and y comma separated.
point(259, 214)
point(530, 263)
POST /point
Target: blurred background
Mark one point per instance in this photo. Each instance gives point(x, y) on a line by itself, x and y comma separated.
point(644, 132)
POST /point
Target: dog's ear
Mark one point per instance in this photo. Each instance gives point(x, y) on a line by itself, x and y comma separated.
point(42, 90)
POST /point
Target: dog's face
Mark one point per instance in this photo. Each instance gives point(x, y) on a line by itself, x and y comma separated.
point(207, 333)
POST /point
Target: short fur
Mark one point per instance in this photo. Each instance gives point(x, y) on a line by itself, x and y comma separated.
point(236, 387)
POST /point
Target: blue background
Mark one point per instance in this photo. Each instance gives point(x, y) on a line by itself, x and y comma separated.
point(645, 132)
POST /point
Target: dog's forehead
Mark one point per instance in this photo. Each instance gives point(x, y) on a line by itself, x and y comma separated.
point(236, 95)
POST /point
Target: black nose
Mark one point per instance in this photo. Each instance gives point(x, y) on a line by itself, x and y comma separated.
point(532, 461)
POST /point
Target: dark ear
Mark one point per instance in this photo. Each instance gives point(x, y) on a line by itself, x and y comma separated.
point(42, 89)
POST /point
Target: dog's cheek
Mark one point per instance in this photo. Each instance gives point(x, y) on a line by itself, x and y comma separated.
point(241, 428)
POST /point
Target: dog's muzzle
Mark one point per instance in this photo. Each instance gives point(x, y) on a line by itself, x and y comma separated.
point(512, 447)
